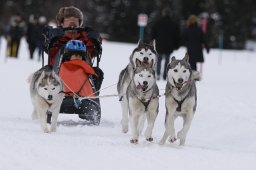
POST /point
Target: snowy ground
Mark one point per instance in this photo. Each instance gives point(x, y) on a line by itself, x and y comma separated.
point(222, 135)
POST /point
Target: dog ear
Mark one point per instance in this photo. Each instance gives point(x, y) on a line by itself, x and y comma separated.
point(40, 79)
point(138, 63)
point(55, 76)
point(153, 44)
point(58, 78)
point(42, 76)
point(173, 58)
point(140, 42)
point(168, 67)
point(186, 58)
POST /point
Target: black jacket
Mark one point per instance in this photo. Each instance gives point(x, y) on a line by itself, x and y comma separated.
point(166, 33)
point(194, 41)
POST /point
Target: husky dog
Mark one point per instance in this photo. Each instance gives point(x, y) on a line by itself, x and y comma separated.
point(180, 99)
point(142, 96)
point(144, 53)
point(46, 94)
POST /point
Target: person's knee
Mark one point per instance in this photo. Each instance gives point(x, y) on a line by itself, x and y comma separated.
point(99, 78)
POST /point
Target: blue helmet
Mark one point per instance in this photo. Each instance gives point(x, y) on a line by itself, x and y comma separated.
point(75, 46)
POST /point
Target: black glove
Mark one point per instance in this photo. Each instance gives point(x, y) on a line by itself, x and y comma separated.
point(55, 32)
point(50, 34)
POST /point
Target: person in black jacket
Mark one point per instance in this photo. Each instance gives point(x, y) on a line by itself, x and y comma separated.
point(194, 39)
point(166, 34)
point(31, 35)
point(15, 32)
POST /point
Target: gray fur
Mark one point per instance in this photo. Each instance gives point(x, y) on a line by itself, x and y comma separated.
point(142, 103)
point(180, 100)
point(46, 91)
point(126, 74)
point(141, 52)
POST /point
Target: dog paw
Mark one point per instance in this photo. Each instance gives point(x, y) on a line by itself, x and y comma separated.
point(150, 139)
point(161, 142)
point(181, 134)
point(134, 141)
point(182, 142)
point(125, 130)
point(172, 139)
point(46, 131)
point(53, 129)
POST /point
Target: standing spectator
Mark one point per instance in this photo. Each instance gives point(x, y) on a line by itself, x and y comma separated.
point(166, 33)
point(195, 41)
point(14, 34)
point(42, 22)
point(31, 35)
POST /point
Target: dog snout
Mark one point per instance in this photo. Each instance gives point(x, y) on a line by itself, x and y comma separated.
point(145, 59)
point(180, 80)
point(49, 97)
point(145, 83)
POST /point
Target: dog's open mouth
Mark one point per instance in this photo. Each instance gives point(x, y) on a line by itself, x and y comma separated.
point(178, 85)
point(145, 62)
point(143, 87)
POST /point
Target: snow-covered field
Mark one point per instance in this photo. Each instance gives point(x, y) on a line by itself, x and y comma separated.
point(222, 135)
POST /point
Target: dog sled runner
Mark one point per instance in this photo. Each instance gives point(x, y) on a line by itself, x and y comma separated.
point(81, 79)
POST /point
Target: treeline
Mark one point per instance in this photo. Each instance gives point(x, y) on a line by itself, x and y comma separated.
point(234, 21)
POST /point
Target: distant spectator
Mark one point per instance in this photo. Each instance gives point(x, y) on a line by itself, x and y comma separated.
point(194, 39)
point(31, 35)
point(166, 33)
point(42, 22)
point(15, 32)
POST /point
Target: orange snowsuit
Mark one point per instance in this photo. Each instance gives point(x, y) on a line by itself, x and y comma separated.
point(75, 74)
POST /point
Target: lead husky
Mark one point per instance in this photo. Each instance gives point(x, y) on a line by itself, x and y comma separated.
point(45, 91)
point(144, 53)
point(142, 96)
point(180, 100)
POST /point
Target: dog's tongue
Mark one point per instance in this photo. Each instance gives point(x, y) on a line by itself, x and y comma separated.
point(178, 85)
point(139, 86)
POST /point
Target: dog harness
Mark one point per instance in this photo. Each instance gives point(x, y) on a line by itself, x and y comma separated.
point(179, 102)
point(146, 102)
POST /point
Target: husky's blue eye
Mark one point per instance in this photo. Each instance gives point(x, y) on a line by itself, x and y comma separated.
point(141, 53)
point(175, 70)
point(149, 75)
point(184, 71)
point(53, 88)
point(150, 53)
point(140, 75)
point(45, 88)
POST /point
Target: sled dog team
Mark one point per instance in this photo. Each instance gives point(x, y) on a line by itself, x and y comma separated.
point(140, 95)
point(138, 91)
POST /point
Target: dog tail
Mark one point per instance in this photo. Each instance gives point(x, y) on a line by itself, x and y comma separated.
point(196, 75)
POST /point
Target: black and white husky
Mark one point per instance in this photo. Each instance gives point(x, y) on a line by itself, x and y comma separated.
point(46, 94)
point(142, 96)
point(180, 100)
point(145, 53)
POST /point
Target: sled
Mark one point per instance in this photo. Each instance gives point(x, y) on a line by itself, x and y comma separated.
point(81, 86)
